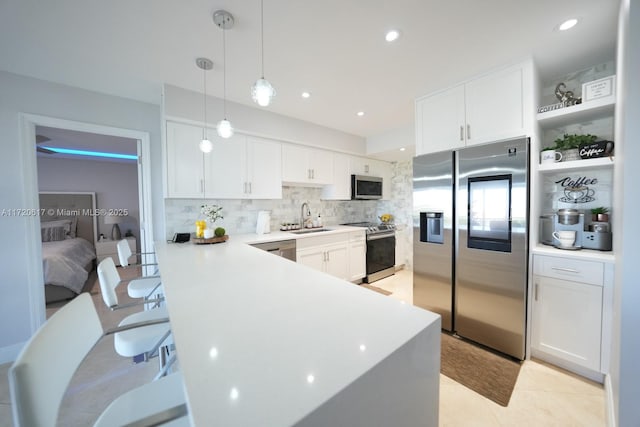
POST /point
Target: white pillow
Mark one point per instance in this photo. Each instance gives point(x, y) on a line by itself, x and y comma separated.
point(69, 226)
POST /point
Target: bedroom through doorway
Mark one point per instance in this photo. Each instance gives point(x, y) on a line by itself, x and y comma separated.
point(88, 182)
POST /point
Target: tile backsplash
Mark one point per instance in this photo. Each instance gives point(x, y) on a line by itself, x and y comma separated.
point(240, 216)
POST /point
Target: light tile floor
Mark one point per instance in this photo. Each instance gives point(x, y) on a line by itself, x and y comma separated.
point(543, 395)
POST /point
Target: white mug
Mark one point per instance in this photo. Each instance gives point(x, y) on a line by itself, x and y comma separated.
point(550, 156)
point(566, 237)
point(208, 233)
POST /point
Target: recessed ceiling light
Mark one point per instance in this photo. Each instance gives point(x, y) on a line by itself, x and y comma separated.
point(402, 149)
point(569, 23)
point(306, 95)
point(360, 113)
point(392, 35)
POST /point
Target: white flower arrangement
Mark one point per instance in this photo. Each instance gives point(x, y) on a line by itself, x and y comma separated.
point(212, 212)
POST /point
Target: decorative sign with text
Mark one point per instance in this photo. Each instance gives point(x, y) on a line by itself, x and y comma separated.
point(596, 149)
point(577, 190)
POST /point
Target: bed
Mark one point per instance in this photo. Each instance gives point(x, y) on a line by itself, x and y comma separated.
point(68, 231)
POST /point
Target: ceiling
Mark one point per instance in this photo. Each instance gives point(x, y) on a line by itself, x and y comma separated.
point(333, 49)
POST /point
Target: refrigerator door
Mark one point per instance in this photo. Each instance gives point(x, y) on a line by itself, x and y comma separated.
point(432, 234)
point(492, 256)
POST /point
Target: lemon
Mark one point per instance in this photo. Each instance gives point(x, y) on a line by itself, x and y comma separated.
point(219, 232)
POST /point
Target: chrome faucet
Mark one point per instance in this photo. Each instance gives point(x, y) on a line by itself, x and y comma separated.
point(303, 222)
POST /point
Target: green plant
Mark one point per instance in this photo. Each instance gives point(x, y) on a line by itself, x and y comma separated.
point(568, 142)
point(549, 148)
point(599, 210)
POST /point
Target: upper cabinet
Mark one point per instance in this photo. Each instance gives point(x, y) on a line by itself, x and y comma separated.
point(345, 165)
point(493, 107)
point(240, 167)
point(306, 165)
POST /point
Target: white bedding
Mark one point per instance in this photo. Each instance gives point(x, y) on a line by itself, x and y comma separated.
point(63, 262)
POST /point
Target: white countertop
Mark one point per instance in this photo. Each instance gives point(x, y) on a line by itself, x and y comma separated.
point(278, 235)
point(586, 254)
point(264, 341)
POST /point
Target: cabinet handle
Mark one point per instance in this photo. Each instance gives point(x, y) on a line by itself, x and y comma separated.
point(250, 189)
point(366, 168)
point(567, 270)
point(461, 133)
point(468, 131)
point(309, 173)
point(313, 174)
point(202, 186)
point(535, 293)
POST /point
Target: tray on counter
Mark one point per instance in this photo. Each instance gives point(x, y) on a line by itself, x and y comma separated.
point(203, 241)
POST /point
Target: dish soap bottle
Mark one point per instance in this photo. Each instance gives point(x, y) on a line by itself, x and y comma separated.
point(319, 221)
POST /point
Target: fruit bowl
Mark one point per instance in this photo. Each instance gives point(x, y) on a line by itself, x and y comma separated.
point(386, 218)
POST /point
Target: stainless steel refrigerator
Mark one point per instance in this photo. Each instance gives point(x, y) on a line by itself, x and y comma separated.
point(470, 241)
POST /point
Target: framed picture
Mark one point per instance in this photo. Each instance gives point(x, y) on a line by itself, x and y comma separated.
point(600, 88)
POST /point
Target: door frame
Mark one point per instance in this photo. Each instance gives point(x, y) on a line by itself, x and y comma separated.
point(28, 123)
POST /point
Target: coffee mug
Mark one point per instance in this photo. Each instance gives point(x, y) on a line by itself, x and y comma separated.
point(550, 156)
point(566, 237)
point(208, 233)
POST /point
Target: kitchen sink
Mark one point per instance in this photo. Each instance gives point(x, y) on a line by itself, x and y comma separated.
point(310, 230)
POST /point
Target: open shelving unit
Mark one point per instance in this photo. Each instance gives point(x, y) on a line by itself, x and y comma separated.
point(578, 113)
point(597, 163)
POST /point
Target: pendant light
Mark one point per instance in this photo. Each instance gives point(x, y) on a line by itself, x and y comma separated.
point(205, 64)
point(262, 92)
point(224, 20)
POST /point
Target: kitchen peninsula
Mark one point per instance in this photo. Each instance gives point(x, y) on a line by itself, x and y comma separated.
point(262, 340)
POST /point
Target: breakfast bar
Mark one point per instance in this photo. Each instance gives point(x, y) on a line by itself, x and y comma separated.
point(264, 341)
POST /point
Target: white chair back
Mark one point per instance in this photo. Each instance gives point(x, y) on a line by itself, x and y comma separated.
point(42, 372)
point(109, 278)
point(124, 252)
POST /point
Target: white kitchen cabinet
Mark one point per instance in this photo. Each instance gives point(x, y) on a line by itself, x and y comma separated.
point(489, 108)
point(244, 167)
point(329, 253)
point(239, 167)
point(306, 165)
point(184, 161)
point(357, 255)
point(567, 313)
point(345, 165)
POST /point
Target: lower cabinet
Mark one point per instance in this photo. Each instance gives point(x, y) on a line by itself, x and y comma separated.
point(567, 317)
point(342, 255)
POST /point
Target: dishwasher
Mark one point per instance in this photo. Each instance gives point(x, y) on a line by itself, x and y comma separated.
point(284, 248)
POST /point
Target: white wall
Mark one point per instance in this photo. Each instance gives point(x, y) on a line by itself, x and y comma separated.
point(625, 374)
point(185, 104)
point(115, 185)
point(25, 95)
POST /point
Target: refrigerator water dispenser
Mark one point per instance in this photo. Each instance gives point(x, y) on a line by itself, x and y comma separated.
point(431, 227)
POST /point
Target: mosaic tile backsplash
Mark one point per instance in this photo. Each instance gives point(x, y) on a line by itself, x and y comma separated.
point(240, 216)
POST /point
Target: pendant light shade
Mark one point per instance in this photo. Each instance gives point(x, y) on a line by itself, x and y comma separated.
point(262, 92)
point(205, 64)
point(224, 20)
point(224, 128)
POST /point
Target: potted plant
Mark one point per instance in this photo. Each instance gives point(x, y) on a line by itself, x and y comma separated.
point(600, 214)
point(569, 144)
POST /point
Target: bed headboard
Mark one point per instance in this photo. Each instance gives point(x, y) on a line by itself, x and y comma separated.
point(63, 205)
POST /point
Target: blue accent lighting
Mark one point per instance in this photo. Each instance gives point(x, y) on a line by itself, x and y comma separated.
point(92, 153)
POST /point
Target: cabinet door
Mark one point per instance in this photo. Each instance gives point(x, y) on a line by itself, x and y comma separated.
point(440, 120)
point(340, 189)
point(567, 320)
point(337, 263)
point(264, 163)
point(184, 161)
point(295, 166)
point(495, 106)
point(357, 259)
point(312, 257)
point(226, 168)
point(321, 165)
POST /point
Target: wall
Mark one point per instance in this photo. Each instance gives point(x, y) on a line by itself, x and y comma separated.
point(184, 104)
point(625, 375)
point(115, 185)
point(21, 94)
point(240, 216)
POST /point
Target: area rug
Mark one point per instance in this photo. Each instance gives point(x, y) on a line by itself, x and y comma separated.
point(376, 289)
point(487, 373)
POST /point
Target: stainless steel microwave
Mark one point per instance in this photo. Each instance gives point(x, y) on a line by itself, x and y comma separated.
point(366, 187)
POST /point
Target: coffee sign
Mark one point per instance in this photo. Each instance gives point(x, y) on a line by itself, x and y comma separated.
point(577, 190)
point(596, 149)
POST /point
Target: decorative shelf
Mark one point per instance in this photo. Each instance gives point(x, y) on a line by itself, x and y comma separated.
point(578, 113)
point(598, 163)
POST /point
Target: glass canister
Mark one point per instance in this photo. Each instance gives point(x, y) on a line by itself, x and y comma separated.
point(201, 225)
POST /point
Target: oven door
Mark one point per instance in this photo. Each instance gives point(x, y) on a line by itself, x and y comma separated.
point(381, 252)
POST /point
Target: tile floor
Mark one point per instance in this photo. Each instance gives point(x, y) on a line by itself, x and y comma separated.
point(543, 396)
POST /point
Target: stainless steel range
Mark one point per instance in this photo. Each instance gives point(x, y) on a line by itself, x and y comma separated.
point(381, 250)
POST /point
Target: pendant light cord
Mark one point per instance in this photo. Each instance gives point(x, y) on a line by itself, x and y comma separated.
point(262, 35)
point(224, 70)
point(204, 130)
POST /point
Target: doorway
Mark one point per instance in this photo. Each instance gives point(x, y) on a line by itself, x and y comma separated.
point(31, 124)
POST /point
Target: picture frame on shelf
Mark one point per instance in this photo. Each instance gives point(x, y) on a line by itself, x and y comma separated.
point(600, 88)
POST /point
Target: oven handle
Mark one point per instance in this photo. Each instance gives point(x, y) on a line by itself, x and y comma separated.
point(380, 236)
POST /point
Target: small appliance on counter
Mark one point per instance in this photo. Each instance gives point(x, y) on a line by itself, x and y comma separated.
point(263, 224)
point(594, 236)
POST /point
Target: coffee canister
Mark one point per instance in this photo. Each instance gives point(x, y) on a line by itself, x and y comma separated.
point(546, 229)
